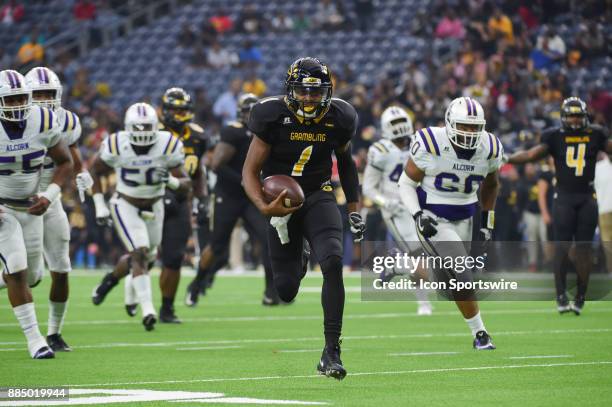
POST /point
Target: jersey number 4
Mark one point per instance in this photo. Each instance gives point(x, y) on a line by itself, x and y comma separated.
point(574, 158)
point(298, 168)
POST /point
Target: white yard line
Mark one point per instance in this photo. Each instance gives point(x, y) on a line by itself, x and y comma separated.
point(422, 353)
point(211, 347)
point(318, 339)
point(314, 317)
point(541, 357)
point(396, 372)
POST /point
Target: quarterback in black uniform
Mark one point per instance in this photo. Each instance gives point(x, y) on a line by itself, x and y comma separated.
point(231, 203)
point(176, 116)
point(574, 147)
point(296, 135)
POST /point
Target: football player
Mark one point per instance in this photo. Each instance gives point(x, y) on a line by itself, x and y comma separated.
point(47, 92)
point(27, 134)
point(386, 159)
point(439, 186)
point(177, 118)
point(147, 161)
point(573, 146)
point(231, 203)
point(296, 135)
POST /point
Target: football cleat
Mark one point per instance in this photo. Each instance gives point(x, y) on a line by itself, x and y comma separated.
point(577, 305)
point(101, 291)
point(424, 308)
point(131, 309)
point(193, 292)
point(44, 353)
point(270, 300)
point(57, 343)
point(563, 305)
point(482, 341)
point(149, 322)
point(167, 316)
point(330, 364)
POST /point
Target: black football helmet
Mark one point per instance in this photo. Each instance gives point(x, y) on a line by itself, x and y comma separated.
point(573, 107)
point(177, 108)
point(308, 88)
point(245, 103)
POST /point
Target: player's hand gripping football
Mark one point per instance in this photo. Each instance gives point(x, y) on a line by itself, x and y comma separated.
point(358, 226)
point(277, 206)
point(426, 225)
point(39, 206)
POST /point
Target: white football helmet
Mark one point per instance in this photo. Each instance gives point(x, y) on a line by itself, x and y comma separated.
point(12, 83)
point(465, 110)
point(42, 79)
point(142, 124)
point(395, 123)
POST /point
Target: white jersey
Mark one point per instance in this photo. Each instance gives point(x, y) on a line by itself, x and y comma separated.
point(450, 186)
point(22, 154)
point(70, 129)
point(135, 172)
point(385, 165)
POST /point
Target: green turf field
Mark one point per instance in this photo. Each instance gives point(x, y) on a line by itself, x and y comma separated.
point(232, 351)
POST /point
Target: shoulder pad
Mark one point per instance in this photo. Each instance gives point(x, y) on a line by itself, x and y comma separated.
point(113, 144)
point(71, 121)
point(493, 145)
point(47, 119)
point(427, 137)
point(380, 147)
point(346, 112)
point(196, 127)
point(170, 143)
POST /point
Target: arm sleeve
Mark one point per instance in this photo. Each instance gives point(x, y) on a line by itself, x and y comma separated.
point(106, 154)
point(496, 154)
point(259, 124)
point(419, 155)
point(75, 134)
point(408, 194)
point(347, 170)
point(373, 175)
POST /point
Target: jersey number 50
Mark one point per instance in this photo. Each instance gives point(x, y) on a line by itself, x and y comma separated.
point(449, 182)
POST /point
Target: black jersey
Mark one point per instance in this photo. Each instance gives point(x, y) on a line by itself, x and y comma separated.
point(575, 155)
point(229, 177)
point(195, 144)
point(302, 149)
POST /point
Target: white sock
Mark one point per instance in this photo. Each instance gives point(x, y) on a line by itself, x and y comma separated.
point(26, 315)
point(142, 286)
point(475, 323)
point(57, 311)
point(421, 295)
point(128, 291)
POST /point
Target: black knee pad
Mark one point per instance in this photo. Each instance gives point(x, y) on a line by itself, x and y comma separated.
point(332, 265)
point(287, 281)
point(172, 261)
point(287, 287)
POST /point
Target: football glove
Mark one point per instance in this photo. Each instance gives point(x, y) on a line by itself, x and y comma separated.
point(102, 212)
point(160, 175)
point(84, 181)
point(485, 233)
point(357, 226)
point(426, 225)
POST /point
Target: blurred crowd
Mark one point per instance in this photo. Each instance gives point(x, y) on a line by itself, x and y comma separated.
point(509, 55)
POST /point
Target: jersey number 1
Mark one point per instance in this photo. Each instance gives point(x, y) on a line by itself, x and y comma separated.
point(298, 168)
point(575, 158)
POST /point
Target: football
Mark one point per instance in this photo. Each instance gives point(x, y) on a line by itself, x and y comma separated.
point(275, 184)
